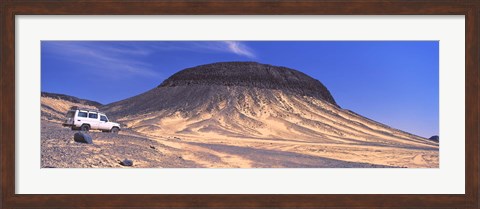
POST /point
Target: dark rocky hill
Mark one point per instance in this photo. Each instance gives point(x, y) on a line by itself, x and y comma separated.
point(435, 138)
point(71, 99)
point(203, 88)
point(244, 97)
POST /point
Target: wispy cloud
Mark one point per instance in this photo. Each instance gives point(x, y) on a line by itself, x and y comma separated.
point(239, 49)
point(103, 58)
point(231, 47)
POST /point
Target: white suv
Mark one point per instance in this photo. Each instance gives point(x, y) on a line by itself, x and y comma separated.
point(86, 119)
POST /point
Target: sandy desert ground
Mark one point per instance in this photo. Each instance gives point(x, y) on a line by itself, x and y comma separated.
point(179, 151)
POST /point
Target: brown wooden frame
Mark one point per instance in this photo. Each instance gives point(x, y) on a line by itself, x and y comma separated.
point(8, 10)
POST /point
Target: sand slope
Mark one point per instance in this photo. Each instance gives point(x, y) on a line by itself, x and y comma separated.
point(237, 118)
point(260, 113)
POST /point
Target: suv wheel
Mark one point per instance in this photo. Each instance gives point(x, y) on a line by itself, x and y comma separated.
point(115, 130)
point(85, 128)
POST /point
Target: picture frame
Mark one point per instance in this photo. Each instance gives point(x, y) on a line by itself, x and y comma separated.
point(9, 9)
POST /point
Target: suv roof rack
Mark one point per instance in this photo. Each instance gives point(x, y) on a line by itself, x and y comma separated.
point(85, 109)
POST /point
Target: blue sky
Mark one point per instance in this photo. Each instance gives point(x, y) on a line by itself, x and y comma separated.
point(393, 82)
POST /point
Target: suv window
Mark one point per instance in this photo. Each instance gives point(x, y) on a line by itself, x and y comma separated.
point(93, 115)
point(103, 118)
point(82, 114)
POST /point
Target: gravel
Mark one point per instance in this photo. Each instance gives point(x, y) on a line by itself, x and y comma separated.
point(59, 150)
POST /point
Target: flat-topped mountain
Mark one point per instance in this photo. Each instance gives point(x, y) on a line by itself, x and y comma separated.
point(248, 99)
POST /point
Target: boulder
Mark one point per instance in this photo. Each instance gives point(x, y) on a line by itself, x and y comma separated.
point(127, 162)
point(82, 137)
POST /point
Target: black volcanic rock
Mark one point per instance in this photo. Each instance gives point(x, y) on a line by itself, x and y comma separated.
point(251, 74)
point(435, 138)
point(127, 162)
